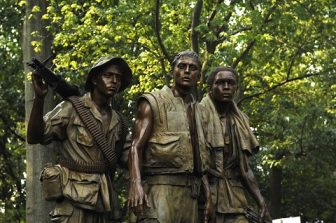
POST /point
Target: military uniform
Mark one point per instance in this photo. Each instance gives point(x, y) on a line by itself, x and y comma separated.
point(175, 158)
point(229, 137)
point(89, 195)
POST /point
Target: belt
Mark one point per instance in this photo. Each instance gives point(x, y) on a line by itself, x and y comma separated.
point(191, 181)
point(86, 167)
point(228, 173)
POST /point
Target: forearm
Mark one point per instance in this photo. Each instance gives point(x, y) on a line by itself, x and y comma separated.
point(206, 187)
point(134, 162)
point(36, 124)
point(252, 187)
point(249, 180)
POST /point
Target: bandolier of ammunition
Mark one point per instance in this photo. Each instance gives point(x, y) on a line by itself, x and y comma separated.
point(92, 125)
point(86, 167)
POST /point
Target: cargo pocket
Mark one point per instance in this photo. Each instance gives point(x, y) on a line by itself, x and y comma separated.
point(217, 158)
point(61, 213)
point(52, 180)
point(164, 151)
point(238, 193)
point(82, 188)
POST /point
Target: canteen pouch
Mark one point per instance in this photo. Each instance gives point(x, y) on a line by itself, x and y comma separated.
point(51, 179)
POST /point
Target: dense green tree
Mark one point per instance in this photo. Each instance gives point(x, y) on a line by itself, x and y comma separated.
point(283, 50)
point(12, 195)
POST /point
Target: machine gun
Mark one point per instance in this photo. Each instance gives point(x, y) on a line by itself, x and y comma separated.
point(56, 82)
point(252, 216)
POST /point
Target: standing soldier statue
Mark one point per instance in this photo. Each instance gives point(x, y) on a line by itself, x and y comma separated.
point(168, 156)
point(91, 136)
point(232, 142)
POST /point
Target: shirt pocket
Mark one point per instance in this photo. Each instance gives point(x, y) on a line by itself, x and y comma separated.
point(82, 136)
point(217, 158)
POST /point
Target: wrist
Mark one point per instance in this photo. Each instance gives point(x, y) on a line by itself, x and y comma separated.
point(135, 180)
point(261, 204)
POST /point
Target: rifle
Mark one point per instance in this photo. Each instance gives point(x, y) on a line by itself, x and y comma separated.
point(252, 216)
point(56, 82)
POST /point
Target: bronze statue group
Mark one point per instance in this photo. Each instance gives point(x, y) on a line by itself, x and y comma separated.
point(188, 162)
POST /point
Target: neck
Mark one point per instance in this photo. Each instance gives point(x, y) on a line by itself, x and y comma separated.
point(184, 93)
point(223, 108)
point(102, 102)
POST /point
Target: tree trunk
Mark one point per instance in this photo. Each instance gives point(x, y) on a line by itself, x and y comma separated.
point(37, 209)
point(276, 179)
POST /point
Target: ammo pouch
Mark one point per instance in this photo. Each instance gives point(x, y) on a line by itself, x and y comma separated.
point(51, 178)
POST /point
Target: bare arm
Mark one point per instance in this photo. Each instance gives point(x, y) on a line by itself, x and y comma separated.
point(141, 133)
point(36, 125)
point(251, 185)
point(208, 210)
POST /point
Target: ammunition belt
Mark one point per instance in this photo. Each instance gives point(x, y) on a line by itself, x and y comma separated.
point(86, 167)
point(92, 125)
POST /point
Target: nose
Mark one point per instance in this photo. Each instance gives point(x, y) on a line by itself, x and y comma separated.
point(187, 69)
point(114, 79)
point(226, 85)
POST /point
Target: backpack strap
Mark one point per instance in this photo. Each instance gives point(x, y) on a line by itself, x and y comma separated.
point(94, 129)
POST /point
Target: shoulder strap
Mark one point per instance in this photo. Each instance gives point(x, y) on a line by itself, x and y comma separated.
point(124, 131)
point(89, 121)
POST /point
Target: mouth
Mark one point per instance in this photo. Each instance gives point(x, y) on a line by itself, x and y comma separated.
point(226, 95)
point(112, 89)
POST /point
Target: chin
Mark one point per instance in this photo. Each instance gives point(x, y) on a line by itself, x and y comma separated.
point(226, 100)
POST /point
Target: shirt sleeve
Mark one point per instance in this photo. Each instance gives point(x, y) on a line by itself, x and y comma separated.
point(56, 122)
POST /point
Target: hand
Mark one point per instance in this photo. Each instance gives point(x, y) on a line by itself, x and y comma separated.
point(137, 199)
point(264, 214)
point(209, 211)
point(40, 88)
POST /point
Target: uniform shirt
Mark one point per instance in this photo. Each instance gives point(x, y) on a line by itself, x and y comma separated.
point(87, 190)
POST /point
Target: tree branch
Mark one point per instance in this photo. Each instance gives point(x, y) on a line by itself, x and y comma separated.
point(211, 45)
point(157, 26)
point(213, 14)
point(276, 86)
point(194, 23)
point(226, 18)
point(298, 52)
point(244, 53)
point(251, 44)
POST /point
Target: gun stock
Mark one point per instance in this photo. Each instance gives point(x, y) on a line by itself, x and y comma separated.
point(56, 82)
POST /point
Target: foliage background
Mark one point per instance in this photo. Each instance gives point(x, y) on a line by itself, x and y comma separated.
point(284, 52)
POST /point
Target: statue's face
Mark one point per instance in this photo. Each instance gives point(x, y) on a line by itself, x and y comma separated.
point(224, 86)
point(108, 81)
point(186, 72)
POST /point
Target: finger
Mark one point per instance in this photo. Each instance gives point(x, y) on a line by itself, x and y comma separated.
point(133, 203)
point(146, 201)
point(206, 217)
